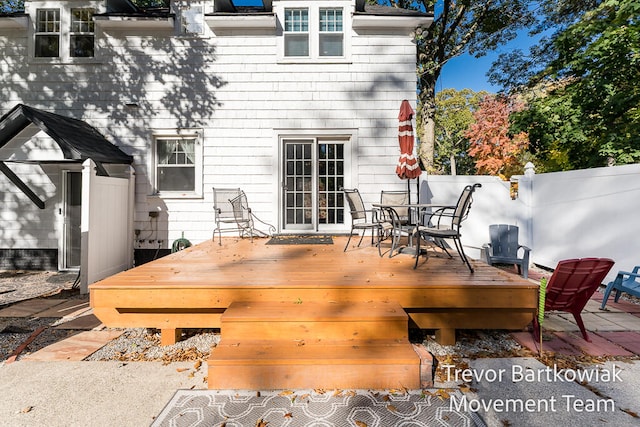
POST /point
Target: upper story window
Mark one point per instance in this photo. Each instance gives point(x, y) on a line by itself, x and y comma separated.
point(81, 36)
point(331, 40)
point(47, 36)
point(64, 33)
point(296, 32)
point(314, 33)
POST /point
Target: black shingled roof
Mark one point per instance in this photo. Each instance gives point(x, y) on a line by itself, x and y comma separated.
point(77, 139)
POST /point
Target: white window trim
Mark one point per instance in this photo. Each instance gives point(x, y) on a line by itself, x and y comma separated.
point(197, 134)
point(314, 31)
point(32, 7)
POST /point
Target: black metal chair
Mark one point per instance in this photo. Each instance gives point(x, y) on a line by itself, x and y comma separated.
point(363, 219)
point(504, 248)
point(445, 223)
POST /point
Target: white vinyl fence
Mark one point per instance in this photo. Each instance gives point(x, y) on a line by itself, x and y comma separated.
point(107, 225)
point(561, 215)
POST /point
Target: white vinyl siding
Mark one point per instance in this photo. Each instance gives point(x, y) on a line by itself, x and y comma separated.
point(233, 85)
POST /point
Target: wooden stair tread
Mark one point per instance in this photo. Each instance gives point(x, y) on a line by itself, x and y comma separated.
point(287, 311)
point(288, 353)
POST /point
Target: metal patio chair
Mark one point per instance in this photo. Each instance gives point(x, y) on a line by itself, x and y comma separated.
point(571, 285)
point(445, 223)
point(224, 213)
point(504, 248)
point(363, 219)
point(232, 213)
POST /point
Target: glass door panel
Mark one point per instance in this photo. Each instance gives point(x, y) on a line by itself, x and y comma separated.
point(313, 176)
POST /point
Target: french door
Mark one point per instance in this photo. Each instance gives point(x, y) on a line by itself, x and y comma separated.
point(313, 178)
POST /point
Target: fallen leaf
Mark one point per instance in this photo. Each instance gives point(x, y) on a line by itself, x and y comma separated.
point(197, 364)
point(392, 408)
point(27, 409)
point(286, 393)
point(288, 415)
point(182, 369)
point(261, 423)
point(361, 424)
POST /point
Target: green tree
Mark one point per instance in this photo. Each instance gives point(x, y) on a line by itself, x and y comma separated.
point(454, 115)
point(473, 26)
point(590, 114)
point(10, 6)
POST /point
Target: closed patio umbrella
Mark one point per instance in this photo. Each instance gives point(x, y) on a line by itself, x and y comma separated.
point(407, 167)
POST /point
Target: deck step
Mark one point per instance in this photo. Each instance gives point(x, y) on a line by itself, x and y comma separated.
point(315, 321)
point(283, 364)
point(311, 344)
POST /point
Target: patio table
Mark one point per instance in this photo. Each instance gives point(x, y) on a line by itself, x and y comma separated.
point(415, 211)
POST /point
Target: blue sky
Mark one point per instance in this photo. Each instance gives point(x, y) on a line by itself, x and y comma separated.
point(466, 71)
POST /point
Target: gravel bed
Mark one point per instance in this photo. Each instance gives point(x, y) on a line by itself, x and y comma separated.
point(140, 344)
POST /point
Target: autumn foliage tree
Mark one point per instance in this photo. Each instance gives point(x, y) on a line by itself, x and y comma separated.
point(495, 150)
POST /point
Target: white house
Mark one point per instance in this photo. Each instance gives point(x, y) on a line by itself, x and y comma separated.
point(289, 100)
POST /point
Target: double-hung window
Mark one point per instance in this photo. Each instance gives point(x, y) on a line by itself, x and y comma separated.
point(81, 36)
point(47, 35)
point(314, 33)
point(178, 164)
point(331, 38)
point(296, 32)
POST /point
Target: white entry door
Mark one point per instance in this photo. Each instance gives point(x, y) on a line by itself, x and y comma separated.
point(71, 215)
point(313, 176)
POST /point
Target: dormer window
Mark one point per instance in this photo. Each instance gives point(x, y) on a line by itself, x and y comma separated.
point(47, 33)
point(296, 32)
point(64, 33)
point(331, 32)
point(314, 33)
point(82, 35)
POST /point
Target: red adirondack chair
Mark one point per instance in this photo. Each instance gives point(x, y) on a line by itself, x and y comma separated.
point(571, 285)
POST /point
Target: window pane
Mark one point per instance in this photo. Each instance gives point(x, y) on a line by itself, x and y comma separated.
point(296, 45)
point(48, 21)
point(330, 44)
point(47, 46)
point(81, 46)
point(296, 20)
point(331, 20)
point(176, 179)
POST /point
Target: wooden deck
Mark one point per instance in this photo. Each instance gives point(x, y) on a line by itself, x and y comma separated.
point(194, 287)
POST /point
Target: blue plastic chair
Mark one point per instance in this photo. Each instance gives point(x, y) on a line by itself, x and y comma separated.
point(624, 282)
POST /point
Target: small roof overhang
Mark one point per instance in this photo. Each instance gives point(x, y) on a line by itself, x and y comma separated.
point(128, 21)
point(77, 140)
point(261, 20)
point(376, 16)
point(18, 21)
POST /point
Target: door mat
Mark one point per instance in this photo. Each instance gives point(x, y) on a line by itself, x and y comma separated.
point(311, 408)
point(300, 240)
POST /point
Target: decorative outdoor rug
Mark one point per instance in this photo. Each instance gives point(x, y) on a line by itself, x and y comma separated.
point(300, 240)
point(358, 408)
